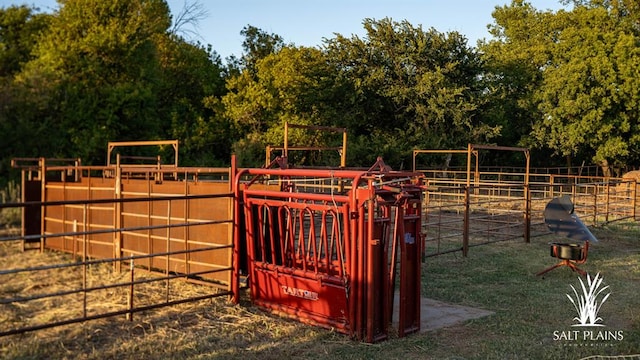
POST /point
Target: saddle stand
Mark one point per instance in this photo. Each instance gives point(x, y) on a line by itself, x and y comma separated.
point(560, 219)
point(570, 255)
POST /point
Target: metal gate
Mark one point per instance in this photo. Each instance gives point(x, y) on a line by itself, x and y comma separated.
point(323, 246)
point(162, 226)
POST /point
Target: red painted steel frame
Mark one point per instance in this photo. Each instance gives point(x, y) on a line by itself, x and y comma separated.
point(328, 257)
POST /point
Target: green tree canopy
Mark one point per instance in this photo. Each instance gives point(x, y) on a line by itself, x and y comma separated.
point(98, 61)
point(575, 73)
point(292, 86)
point(20, 29)
point(396, 89)
point(411, 88)
point(191, 83)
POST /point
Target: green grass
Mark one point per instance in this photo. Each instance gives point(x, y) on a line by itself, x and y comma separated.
point(498, 277)
point(528, 309)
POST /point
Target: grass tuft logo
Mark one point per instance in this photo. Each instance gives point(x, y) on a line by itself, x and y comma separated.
point(588, 302)
point(587, 299)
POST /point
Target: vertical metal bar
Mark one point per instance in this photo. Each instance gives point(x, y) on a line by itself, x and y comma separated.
point(469, 151)
point(168, 259)
point(185, 231)
point(359, 275)
point(234, 183)
point(352, 259)
point(607, 189)
point(595, 205)
point(301, 251)
point(259, 233)
point(283, 221)
point(403, 301)
point(312, 246)
point(63, 177)
point(343, 241)
point(286, 140)
point(252, 234)
point(465, 230)
point(84, 275)
point(634, 200)
point(43, 199)
point(129, 315)
point(75, 239)
point(272, 235)
point(369, 272)
point(268, 156)
point(392, 270)
point(23, 210)
point(149, 212)
point(117, 241)
point(343, 156)
point(527, 213)
point(324, 243)
point(87, 210)
point(290, 237)
point(231, 215)
point(410, 272)
point(413, 167)
point(176, 152)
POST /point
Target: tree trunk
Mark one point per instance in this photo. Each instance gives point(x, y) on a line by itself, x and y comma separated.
point(606, 170)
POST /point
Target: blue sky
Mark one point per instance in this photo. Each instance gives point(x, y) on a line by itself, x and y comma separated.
point(307, 22)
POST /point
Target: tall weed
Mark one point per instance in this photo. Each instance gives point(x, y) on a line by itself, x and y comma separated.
point(10, 217)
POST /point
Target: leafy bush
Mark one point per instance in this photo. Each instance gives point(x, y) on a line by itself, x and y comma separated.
point(10, 217)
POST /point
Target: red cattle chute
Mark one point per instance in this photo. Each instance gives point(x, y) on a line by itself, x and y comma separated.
point(322, 246)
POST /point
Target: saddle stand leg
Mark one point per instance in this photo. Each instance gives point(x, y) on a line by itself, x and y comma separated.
point(572, 264)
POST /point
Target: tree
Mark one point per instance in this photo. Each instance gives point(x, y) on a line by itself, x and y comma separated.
point(589, 96)
point(411, 88)
point(20, 28)
point(292, 86)
point(397, 89)
point(582, 70)
point(191, 82)
point(257, 45)
point(23, 134)
point(512, 70)
point(98, 63)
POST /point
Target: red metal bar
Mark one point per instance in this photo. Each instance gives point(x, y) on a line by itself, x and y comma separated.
point(369, 274)
point(324, 244)
point(392, 268)
point(410, 271)
point(301, 251)
point(297, 196)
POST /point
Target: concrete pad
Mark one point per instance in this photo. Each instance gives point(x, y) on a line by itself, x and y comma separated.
point(436, 314)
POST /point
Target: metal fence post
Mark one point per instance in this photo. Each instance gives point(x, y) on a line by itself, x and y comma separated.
point(527, 214)
point(465, 227)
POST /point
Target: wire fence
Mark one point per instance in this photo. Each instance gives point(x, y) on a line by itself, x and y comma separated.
point(459, 215)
